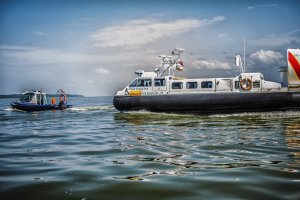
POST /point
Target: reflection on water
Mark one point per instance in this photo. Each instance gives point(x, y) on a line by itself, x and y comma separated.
point(234, 141)
point(95, 152)
point(292, 138)
point(293, 135)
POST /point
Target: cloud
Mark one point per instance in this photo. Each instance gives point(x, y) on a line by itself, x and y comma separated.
point(86, 19)
point(139, 32)
point(35, 55)
point(102, 71)
point(222, 35)
point(262, 6)
point(210, 64)
point(40, 33)
point(15, 48)
point(293, 32)
point(273, 41)
point(267, 62)
point(32, 56)
point(266, 57)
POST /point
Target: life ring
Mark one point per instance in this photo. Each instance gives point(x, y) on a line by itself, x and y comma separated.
point(246, 84)
point(63, 97)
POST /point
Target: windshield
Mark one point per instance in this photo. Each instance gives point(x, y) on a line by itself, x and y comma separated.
point(26, 97)
point(141, 83)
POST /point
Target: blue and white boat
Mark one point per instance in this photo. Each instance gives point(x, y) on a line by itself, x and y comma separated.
point(33, 100)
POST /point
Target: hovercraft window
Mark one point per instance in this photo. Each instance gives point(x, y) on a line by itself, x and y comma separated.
point(206, 84)
point(177, 85)
point(256, 84)
point(237, 85)
point(147, 83)
point(141, 83)
point(191, 85)
point(159, 82)
point(133, 83)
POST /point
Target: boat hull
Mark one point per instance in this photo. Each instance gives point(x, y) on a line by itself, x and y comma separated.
point(29, 107)
point(210, 102)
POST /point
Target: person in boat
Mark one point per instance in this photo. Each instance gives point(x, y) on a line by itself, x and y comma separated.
point(53, 101)
point(62, 100)
point(33, 99)
point(37, 101)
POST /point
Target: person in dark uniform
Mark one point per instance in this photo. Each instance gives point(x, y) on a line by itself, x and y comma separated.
point(62, 105)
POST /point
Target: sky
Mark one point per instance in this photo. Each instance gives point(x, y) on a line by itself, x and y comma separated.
point(93, 47)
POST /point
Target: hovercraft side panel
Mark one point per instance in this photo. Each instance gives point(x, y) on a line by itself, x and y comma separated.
point(210, 103)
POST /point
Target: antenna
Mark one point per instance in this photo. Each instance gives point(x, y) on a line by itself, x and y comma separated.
point(244, 54)
point(238, 59)
point(239, 63)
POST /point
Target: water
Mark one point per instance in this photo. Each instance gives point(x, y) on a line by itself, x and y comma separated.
point(95, 152)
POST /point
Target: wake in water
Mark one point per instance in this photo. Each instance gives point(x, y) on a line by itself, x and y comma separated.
point(10, 109)
point(163, 115)
point(290, 113)
point(92, 108)
point(192, 120)
point(79, 108)
point(13, 110)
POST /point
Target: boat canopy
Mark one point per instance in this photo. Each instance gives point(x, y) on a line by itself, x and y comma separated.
point(35, 97)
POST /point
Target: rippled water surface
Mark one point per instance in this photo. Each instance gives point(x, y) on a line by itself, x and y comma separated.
point(95, 152)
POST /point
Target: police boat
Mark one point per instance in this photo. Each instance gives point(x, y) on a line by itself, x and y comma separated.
point(248, 92)
point(33, 100)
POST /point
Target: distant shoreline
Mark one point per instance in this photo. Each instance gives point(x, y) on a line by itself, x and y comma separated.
point(6, 96)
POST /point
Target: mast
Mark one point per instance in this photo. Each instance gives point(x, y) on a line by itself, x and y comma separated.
point(238, 59)
point(244, 55)
point(169, 61)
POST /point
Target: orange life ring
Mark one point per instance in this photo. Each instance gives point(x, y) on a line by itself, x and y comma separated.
point(246, 84)
point(63, 97)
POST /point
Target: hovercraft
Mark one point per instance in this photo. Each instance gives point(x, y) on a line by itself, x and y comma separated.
point(247, 92)
point(33, 100)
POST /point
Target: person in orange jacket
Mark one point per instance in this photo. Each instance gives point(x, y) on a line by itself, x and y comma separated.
point(53, 100)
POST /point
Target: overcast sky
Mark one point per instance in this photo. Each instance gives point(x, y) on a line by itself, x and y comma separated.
point(93, 47)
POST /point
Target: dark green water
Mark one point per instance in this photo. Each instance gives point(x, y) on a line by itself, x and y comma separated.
point(96, 152)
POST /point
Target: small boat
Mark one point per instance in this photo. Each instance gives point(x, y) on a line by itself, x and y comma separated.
point(247, 92)
point(33, 100)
